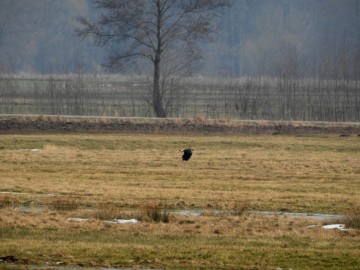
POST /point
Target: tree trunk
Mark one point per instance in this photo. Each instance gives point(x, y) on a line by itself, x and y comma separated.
point(157, 98)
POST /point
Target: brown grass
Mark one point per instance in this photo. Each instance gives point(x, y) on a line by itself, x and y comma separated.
point(109, 176)
point(311, 174)
point(63, 203)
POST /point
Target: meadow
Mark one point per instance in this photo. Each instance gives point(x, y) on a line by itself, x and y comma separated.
point(47, 180)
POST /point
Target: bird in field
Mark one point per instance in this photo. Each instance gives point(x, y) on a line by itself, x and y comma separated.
point(187, 153)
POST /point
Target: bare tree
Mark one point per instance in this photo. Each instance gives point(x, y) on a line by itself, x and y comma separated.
point(151, 29)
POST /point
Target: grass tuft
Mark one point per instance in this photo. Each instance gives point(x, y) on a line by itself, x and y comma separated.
point(107, 211)
point(156, 212)
point(64, 203)
point(239, 208)
point(7, 201)
point(352, 219)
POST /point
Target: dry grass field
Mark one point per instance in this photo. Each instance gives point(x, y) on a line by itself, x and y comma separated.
point(47, 179)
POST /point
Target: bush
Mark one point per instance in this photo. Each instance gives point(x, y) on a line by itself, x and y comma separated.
point(352, 218)
point(6, 201)
point(239, 208)
point(106, 211)
point(156, 213)
point(64, 203)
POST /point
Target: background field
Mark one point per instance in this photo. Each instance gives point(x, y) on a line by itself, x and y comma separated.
point(48, 178)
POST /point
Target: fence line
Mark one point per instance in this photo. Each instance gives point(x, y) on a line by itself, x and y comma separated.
point(249, 98)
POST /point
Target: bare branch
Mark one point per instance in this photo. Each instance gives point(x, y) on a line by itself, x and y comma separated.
point(153, 30)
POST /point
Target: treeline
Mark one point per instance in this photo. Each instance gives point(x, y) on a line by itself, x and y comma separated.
point(38, 36)
point(281, 98)
point(254, 34)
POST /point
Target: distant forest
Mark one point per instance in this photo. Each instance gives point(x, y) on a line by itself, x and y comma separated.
point(256, 38)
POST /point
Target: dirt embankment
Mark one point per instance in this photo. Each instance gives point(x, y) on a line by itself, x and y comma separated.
point(40, 123)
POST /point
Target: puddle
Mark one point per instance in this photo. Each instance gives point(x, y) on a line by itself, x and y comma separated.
point(57, 267)
point(27, 193)
point(188, 212)
point(316, 216)
point(29, 209)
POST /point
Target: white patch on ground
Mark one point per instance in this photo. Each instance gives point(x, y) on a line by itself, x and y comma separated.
point(340, 227)
point(78, 219)
point(123, 221)
point(114, 221)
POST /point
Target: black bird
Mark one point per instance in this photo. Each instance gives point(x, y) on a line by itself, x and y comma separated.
point(187, 153)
